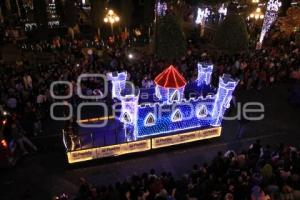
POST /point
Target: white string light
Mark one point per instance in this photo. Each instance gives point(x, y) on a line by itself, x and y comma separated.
point(161, 8)
point(202, 15)
point(270, 16)
point(222, 10)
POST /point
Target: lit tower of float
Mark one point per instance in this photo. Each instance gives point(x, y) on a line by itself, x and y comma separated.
point(204, 74)
point(169, 85)
point(118, 81)
point(223, 98)
point(129, 97)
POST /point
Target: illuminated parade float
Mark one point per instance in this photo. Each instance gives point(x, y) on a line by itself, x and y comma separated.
point(172, 112)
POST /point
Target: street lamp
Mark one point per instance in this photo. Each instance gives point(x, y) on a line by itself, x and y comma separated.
point(255, 1)
point(257, 14)
point(111, 17)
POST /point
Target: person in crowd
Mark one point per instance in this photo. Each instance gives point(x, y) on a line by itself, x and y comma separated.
point(19, 136)
point(224, 178)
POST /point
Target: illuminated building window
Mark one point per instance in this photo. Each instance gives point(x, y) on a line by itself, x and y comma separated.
point(202, 111)
point(176, 116)
point(126, 118)
point(150, 120)
point(175, 96)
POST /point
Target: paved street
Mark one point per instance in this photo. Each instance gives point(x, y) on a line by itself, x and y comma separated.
point(46, 172)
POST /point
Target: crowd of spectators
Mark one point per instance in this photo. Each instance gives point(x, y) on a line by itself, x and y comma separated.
point(257, 173)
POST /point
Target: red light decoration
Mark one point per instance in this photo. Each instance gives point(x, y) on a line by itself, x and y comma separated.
point(170, 78)
point(4, 143)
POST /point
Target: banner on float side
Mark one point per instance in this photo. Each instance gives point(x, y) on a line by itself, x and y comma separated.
point(185, 137)
point(108, 151)
point(143, 145)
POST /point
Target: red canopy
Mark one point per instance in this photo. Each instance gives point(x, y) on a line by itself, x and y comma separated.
point(170, 78)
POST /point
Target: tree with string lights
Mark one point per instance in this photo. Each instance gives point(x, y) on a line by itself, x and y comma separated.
point(291, 22)
point(41, 18)
point(97, 14)
point(232, 36)
point(169, 42)
point(40, 13)
point(71, 15)
point(59, 7)
point(126, 11)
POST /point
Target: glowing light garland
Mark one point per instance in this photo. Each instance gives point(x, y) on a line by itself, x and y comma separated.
point(129, 112)
point(161, 9)
point(222, 10)
point(204, 74)
point(165, 118)
point(202, 15)
point(270, 16)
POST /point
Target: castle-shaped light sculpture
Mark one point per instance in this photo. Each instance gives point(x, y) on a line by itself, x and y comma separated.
point(172, 112)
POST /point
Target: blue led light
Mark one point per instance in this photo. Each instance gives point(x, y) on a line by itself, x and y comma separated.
point(204, 74)
point(164, 113)
point(130, 109)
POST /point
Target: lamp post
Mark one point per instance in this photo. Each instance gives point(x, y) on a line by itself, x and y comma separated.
point(257, 15)
point(111, 17)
